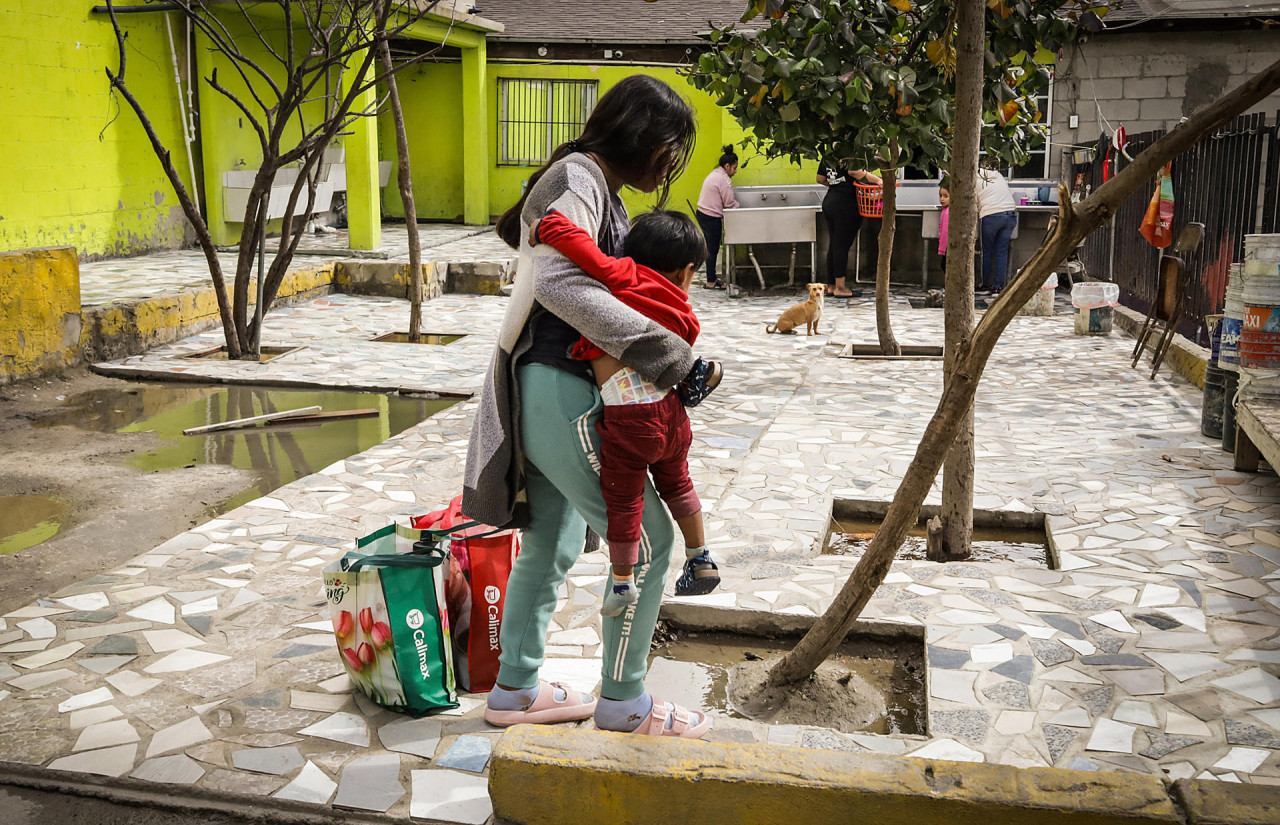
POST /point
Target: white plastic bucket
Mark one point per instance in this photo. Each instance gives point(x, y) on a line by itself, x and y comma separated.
point(1260, 323)
point(1232, 319)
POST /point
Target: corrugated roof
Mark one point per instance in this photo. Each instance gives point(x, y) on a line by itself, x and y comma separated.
point(1185, 9)
point(608, 21)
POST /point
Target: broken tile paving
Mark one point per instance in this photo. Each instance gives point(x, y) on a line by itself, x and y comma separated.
point(1152, 648)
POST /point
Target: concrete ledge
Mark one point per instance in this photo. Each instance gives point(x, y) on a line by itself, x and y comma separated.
point(550, 776)
point(387, 280)
point(120, 330)
point(479, 277)
point(1185, 358)
point(1228, 803)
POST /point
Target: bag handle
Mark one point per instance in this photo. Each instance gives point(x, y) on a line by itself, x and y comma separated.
point(402, 560)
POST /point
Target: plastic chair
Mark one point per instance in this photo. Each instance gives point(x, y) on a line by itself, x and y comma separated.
point(1166, 309)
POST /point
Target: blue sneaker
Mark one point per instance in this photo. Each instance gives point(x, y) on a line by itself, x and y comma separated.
point(698, 384)
point(699, 577)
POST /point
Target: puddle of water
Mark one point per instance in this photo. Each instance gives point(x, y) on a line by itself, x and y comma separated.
point(694, 670)
point(25, 521)
point(275, 454)
point(852, 538)
point(424, 338)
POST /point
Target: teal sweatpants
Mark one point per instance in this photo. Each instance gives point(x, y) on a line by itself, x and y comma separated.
point(558, 415)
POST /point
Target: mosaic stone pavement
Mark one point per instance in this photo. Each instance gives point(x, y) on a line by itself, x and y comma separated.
point(113, 280)
point(1154, 648)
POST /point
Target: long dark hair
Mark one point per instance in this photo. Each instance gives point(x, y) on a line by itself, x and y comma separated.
point(638, 125)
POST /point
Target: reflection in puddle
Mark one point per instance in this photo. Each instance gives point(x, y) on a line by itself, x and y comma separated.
point(275, 454)
point(694, 671)
point(25, 521)
point(852, 538)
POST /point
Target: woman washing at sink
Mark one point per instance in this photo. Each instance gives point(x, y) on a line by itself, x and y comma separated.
point(716, 196)
point(840, 208)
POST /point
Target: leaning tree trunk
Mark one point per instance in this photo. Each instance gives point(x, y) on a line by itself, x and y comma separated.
point(406, 196)
point(888, 344)
point(1073, 224)
point(956, 515)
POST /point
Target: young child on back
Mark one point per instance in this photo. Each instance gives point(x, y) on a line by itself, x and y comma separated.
point(944, 198)
point(644, 429)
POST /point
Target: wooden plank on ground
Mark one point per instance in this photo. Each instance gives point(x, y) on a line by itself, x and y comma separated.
point(1259, 419)
point(237, 423)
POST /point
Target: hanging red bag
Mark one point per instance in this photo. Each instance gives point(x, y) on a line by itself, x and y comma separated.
point(480, 561)
point(1157, 224)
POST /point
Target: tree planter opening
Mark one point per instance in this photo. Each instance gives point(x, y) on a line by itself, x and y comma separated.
point(220, 353)
point(874, 683)
point(910, 352)
point(998, 535)
point(434, 338)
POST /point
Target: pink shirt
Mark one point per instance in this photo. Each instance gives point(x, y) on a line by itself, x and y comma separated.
point(943, 220)
point(717, 194)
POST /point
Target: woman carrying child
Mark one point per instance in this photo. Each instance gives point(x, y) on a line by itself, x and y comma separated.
point(533, 453)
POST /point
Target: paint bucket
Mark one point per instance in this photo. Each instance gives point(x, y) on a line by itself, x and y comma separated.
point(1260, 328)
point(1213, 323)
point(1211, 406)
point(1232, 319)
point(1229, 411)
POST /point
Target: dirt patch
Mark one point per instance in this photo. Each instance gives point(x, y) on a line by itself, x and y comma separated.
point(834, 697)
point(116, 512)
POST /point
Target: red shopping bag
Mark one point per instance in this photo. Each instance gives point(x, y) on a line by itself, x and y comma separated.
point(475, 592)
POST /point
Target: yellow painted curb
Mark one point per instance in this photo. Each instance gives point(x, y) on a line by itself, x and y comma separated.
point(1210, 802)
point(549, 776)
point(1188, 359)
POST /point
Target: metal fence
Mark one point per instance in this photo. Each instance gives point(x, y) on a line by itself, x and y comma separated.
point(1229, 181)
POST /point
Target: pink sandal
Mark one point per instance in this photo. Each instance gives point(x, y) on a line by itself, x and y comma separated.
point(678, 723)
point(546, 709)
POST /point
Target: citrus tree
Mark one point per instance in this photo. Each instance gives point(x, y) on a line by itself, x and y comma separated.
point(870, 84)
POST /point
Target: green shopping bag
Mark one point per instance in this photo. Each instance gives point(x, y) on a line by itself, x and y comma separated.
point(387, 602)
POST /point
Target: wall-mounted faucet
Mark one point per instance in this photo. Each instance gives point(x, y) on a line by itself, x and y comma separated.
point(783, 195)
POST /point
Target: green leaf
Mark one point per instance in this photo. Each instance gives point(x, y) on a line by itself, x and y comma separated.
point(1045, 57)
point(789, 112)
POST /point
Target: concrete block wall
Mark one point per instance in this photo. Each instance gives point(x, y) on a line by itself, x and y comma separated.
point(1152, 80)
point(76, 167)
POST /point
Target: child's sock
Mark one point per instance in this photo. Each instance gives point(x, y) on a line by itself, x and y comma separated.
point(694, 552)
point(501, 698)
point(623, 714)
point(622, 594)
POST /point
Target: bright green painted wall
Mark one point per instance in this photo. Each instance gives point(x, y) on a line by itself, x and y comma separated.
point(59, 183)
point(432, 102)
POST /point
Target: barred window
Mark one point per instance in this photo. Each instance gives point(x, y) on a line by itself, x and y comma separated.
point(536, 116)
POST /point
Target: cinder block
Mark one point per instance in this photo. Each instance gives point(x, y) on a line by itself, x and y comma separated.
point(1146, 88)
point(479, 277)
point(1168, 64)
point(1101, 88)
point(1119, 65)
point(1165, 108)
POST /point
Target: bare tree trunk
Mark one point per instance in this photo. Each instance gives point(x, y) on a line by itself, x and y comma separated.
point(1073, 224)
point(957, 475)
point(406, 196)
point(888, 344)
point(189, 207)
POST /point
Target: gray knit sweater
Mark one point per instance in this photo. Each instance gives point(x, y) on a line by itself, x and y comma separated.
point(493, 488)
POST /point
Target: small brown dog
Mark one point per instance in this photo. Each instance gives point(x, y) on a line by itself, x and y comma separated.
point(806, 313)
